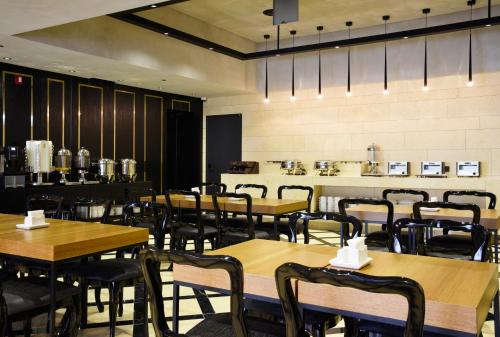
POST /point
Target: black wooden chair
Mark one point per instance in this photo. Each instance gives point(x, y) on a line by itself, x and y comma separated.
point(237, 231)
point(282, 220)
point(52, 205)
point(346, 222)
point(450, 243)
point(183, 228)
point(263, 194)
point(232, 324)
point(22, 299)
point(151, 215)
point(402, 191)
point(378, 239)
point(211, 188)
point(405, 287)
point(488, 195)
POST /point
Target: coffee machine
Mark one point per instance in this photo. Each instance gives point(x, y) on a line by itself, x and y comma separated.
point(12, 167)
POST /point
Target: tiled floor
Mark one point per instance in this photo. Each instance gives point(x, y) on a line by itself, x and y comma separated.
point(189, 306)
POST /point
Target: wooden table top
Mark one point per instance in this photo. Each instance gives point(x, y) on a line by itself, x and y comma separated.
point(259, 206)
point(458, 293)
point(64, 239)
point(490, 218)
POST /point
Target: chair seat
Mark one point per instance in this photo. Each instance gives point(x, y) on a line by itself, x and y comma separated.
point(220, 325)
point(377, 239)
point(109, 270)
point(234, 234)
point(22, 295)
point(190, 230)
point(451, 243)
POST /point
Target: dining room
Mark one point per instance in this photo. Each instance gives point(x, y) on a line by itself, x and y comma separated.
point(281, 168)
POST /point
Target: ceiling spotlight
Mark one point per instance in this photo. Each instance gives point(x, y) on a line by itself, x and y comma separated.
point(337, 47)
point(293, 98)
point(266, 100)
point(153, 6)
point(470, 84)
point(348, 94)
point(470, 3)
point(425, 88)
point(278, 55)
point(163, 80)
point(7, 58)
point(211, 48)
point(386, 92)
point(166, 33)
point(488, 25)
point(119, 80)
point(72, 71)
point(319, 29)
point(405, 37)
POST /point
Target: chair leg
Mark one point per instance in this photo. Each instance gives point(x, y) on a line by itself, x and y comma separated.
point(98, 302)
point(120, 303)
point(69, 323)
point(84, 301)
point(306, 234)
point(114, 294)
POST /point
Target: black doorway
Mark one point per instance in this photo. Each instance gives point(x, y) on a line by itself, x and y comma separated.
point(223, 137)
point(183, 156)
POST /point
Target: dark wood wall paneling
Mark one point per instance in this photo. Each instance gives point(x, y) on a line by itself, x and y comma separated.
point(117, 120)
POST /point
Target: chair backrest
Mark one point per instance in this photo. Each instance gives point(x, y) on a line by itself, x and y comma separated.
point(389, 191)
point(405, 287)
point(219, 219)
point(148, 211)
point(474, 209)
point(344, 204)
point(150, 263)
point(480, 236)
point(211, 188)
point(171, 207)
point(345, 220)
point(309, 189)
point(254, 186)
point(52, 205)
point(492, 197)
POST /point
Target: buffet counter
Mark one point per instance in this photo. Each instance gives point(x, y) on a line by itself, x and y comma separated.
point(13, 200)
point(361, 186)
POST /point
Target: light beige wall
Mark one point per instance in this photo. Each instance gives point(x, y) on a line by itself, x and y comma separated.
point(450, 122)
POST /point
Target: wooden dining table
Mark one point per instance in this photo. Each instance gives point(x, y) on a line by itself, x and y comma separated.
point(458, 293)
point(260, 206)
point(65, 240)
point(490, 218)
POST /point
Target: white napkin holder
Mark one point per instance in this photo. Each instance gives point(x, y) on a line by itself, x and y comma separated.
point(354, 256)
point(35, 219)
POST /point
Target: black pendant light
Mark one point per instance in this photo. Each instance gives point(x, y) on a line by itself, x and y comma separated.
point(266, 99)
point(348, 92)
point(426, 11)
point(320, 95)
point(470, 83)
point(386, 90)
point(292, 98)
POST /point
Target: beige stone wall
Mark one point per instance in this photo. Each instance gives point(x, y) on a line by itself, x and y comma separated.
point(450, 122)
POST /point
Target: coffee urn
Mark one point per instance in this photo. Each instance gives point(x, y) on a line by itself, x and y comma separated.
point(128, 170)
point(106, 170)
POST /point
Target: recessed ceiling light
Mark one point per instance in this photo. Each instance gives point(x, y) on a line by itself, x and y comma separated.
point(160, 88)
point(488, 25)
point(72, 71)
point(166, 33)
point(405, 37)
point(211, 48)
point(1, 45)
point(278, 55)
point(119, 80)
point(7, 58)
point(164, 80)
point(337, 47)
point(153, 6)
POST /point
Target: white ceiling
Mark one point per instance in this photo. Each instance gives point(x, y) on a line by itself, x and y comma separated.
point(19, 16)
point(245, 18)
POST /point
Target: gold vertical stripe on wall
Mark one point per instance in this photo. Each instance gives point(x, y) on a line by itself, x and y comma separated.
point(114, 121)
point(63, 84)
point(80, 85)
point(181, 101)
point(146, 137)
point(4, 106)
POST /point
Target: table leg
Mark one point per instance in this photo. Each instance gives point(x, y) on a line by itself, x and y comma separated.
point(52, 311)
point(175, 309)
point(496, 309)
point(276, 234)
point(140, 310)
